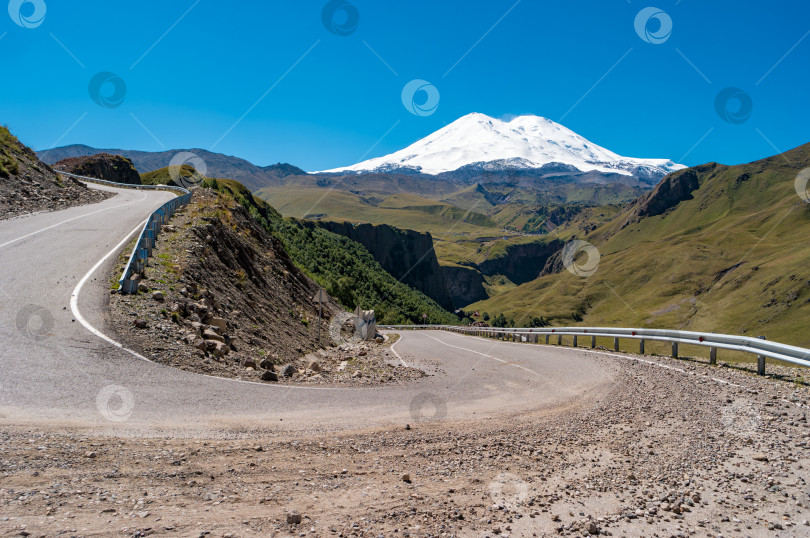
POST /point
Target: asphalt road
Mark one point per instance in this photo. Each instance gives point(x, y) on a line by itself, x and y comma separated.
point(56, 370)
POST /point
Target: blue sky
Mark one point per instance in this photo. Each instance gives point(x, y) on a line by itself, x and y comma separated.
point(268, 81)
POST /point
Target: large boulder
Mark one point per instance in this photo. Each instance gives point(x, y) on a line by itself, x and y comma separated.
point(101, 166)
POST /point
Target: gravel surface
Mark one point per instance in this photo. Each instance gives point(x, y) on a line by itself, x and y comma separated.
point(680, 450)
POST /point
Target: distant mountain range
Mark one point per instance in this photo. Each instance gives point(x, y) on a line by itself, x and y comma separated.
point(218, 165)
point(529, 151)
point(477, 144)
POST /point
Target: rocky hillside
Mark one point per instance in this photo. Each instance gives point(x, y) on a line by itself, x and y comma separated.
point(28, 185)
point(405, 254)
point(345, 268)
point(222, 297)
point(101, 166)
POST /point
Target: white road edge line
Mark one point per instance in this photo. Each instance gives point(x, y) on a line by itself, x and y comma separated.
point(74, 307)
point(652, 363)
point(484, 355)
point(401, 360)
point(69, 220)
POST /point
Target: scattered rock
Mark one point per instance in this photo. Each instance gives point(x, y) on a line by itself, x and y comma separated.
point(139, 323)
point(293, 518)
point(288, 370)
point(158, 296)
point(267, 375)
point(760, 457)
point(250, 363)
point(406, 478)
point(143, 288)
point(314, 366)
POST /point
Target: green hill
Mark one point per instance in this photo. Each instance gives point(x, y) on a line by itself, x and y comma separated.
point(712, 248)
point(162, 176)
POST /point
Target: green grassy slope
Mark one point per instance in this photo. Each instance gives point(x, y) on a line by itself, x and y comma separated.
point(343, 267)
point(733, 258)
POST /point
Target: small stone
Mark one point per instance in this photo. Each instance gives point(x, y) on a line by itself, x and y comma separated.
point(314, 366)
point(90, 454)
point(140, 323)
point(592, 528)
point(250, 363)
point(158, 296)
point(406, 478)
point(293, 518)
point(760, 457)
point(220, 323)
point(267, 365)
point(143, 288)
point(288, 370)
point(269, 376)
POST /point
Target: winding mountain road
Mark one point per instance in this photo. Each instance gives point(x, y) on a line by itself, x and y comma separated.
point(56, 369)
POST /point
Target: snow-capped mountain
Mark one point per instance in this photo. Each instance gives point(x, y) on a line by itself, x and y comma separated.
point(525, 142)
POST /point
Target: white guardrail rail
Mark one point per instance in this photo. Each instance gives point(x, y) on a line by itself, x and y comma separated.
point(128, 283)
point(759, 346)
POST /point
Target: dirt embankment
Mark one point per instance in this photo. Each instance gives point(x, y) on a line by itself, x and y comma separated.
point(28, 185)
point(221, 296)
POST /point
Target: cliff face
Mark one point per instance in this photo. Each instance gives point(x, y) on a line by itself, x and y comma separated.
point(522, 262)
point(465, 285)
point(672, 190)
point(102, 166)
point(405, 254)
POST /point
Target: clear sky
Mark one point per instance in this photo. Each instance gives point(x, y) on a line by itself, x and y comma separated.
point(277, 81)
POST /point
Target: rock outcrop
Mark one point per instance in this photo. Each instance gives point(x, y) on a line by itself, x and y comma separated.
point(522, 262)
point(672, 190)
point(405, 254)
point(101, 166)
point(465, 285)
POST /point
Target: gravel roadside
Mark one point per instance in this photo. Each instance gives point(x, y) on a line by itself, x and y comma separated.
point(678, 451)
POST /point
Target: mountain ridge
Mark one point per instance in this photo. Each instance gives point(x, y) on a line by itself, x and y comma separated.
point(524, 142)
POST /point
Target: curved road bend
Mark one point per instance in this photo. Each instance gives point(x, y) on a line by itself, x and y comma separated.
point(59, 375)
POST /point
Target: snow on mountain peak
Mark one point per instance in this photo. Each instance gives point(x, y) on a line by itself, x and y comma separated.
point(524, 141)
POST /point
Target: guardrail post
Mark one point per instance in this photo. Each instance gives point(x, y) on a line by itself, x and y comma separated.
point(547, 337)
point(675, 350)
point(713, 355)
point(593, 342)
point(559, 339)
point(641, 347)
point(761, 360)
point(616, 344)
point(575, 340)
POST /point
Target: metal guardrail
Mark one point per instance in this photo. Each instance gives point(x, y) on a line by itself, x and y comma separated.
point(759, 346)
point(131, 277)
